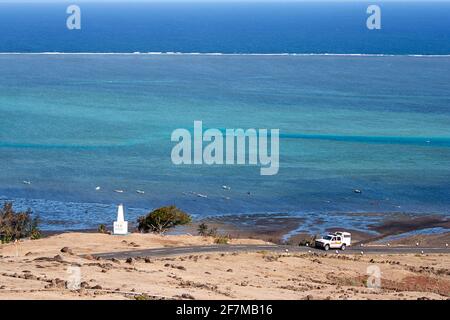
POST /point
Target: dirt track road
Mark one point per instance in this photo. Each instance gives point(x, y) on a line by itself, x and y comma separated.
point(162, 252)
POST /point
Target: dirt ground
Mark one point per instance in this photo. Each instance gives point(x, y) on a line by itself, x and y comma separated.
point(39, 270)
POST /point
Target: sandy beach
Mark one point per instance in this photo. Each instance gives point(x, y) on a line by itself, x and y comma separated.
point(40, 269)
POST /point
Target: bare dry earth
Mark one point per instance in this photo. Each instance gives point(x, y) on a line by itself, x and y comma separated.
point(39, 270)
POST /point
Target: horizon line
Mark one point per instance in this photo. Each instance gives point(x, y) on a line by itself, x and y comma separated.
point(174, 53)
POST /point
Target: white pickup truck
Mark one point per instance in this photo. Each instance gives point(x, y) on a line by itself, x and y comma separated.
point(337, 240)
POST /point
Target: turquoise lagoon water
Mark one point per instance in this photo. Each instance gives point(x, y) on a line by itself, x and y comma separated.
point(70, 123)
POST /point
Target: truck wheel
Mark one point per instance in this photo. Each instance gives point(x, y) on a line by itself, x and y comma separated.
point(343, 247)
point(327, 247)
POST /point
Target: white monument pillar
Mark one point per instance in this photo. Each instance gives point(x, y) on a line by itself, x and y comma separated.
point(120, 226)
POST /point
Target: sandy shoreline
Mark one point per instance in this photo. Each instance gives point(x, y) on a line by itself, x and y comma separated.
point(37, 269)
point(431, 230)
point(400, 228)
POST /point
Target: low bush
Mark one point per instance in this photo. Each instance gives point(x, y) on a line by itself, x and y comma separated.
point(212, 232)
point(221, 239)
point(205, 231)
point(202, 229)
point(162, 219)
point(17, 225)
point(142, 296)
point(102, 229)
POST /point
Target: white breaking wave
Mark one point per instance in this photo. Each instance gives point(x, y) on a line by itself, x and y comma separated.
point(229, 54)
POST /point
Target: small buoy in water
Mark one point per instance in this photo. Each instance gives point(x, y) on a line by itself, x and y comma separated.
point(140, 191)
point(357, 191)
point(26, 182)
point(118, 191)
point(97, 188)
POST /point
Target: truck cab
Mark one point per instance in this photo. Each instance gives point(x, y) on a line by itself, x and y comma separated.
point(337, 240)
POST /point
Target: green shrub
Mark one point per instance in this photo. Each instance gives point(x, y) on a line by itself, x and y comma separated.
point(205, 231)
point(162, 219)
point(212, 232)
point(102, 229)
point(17, 225)
point(221, 239)
point(202, 229)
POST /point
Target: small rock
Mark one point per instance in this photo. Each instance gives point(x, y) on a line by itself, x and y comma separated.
point(230, 270)
point(29, 276)
point(58, 258)
point(97, 287)
point(58, 283)
point(66, 250)
point(129, 260)
point(187, 296)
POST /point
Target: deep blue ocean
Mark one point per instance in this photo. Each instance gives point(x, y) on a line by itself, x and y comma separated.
point(72, 122)
point(407, 28)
